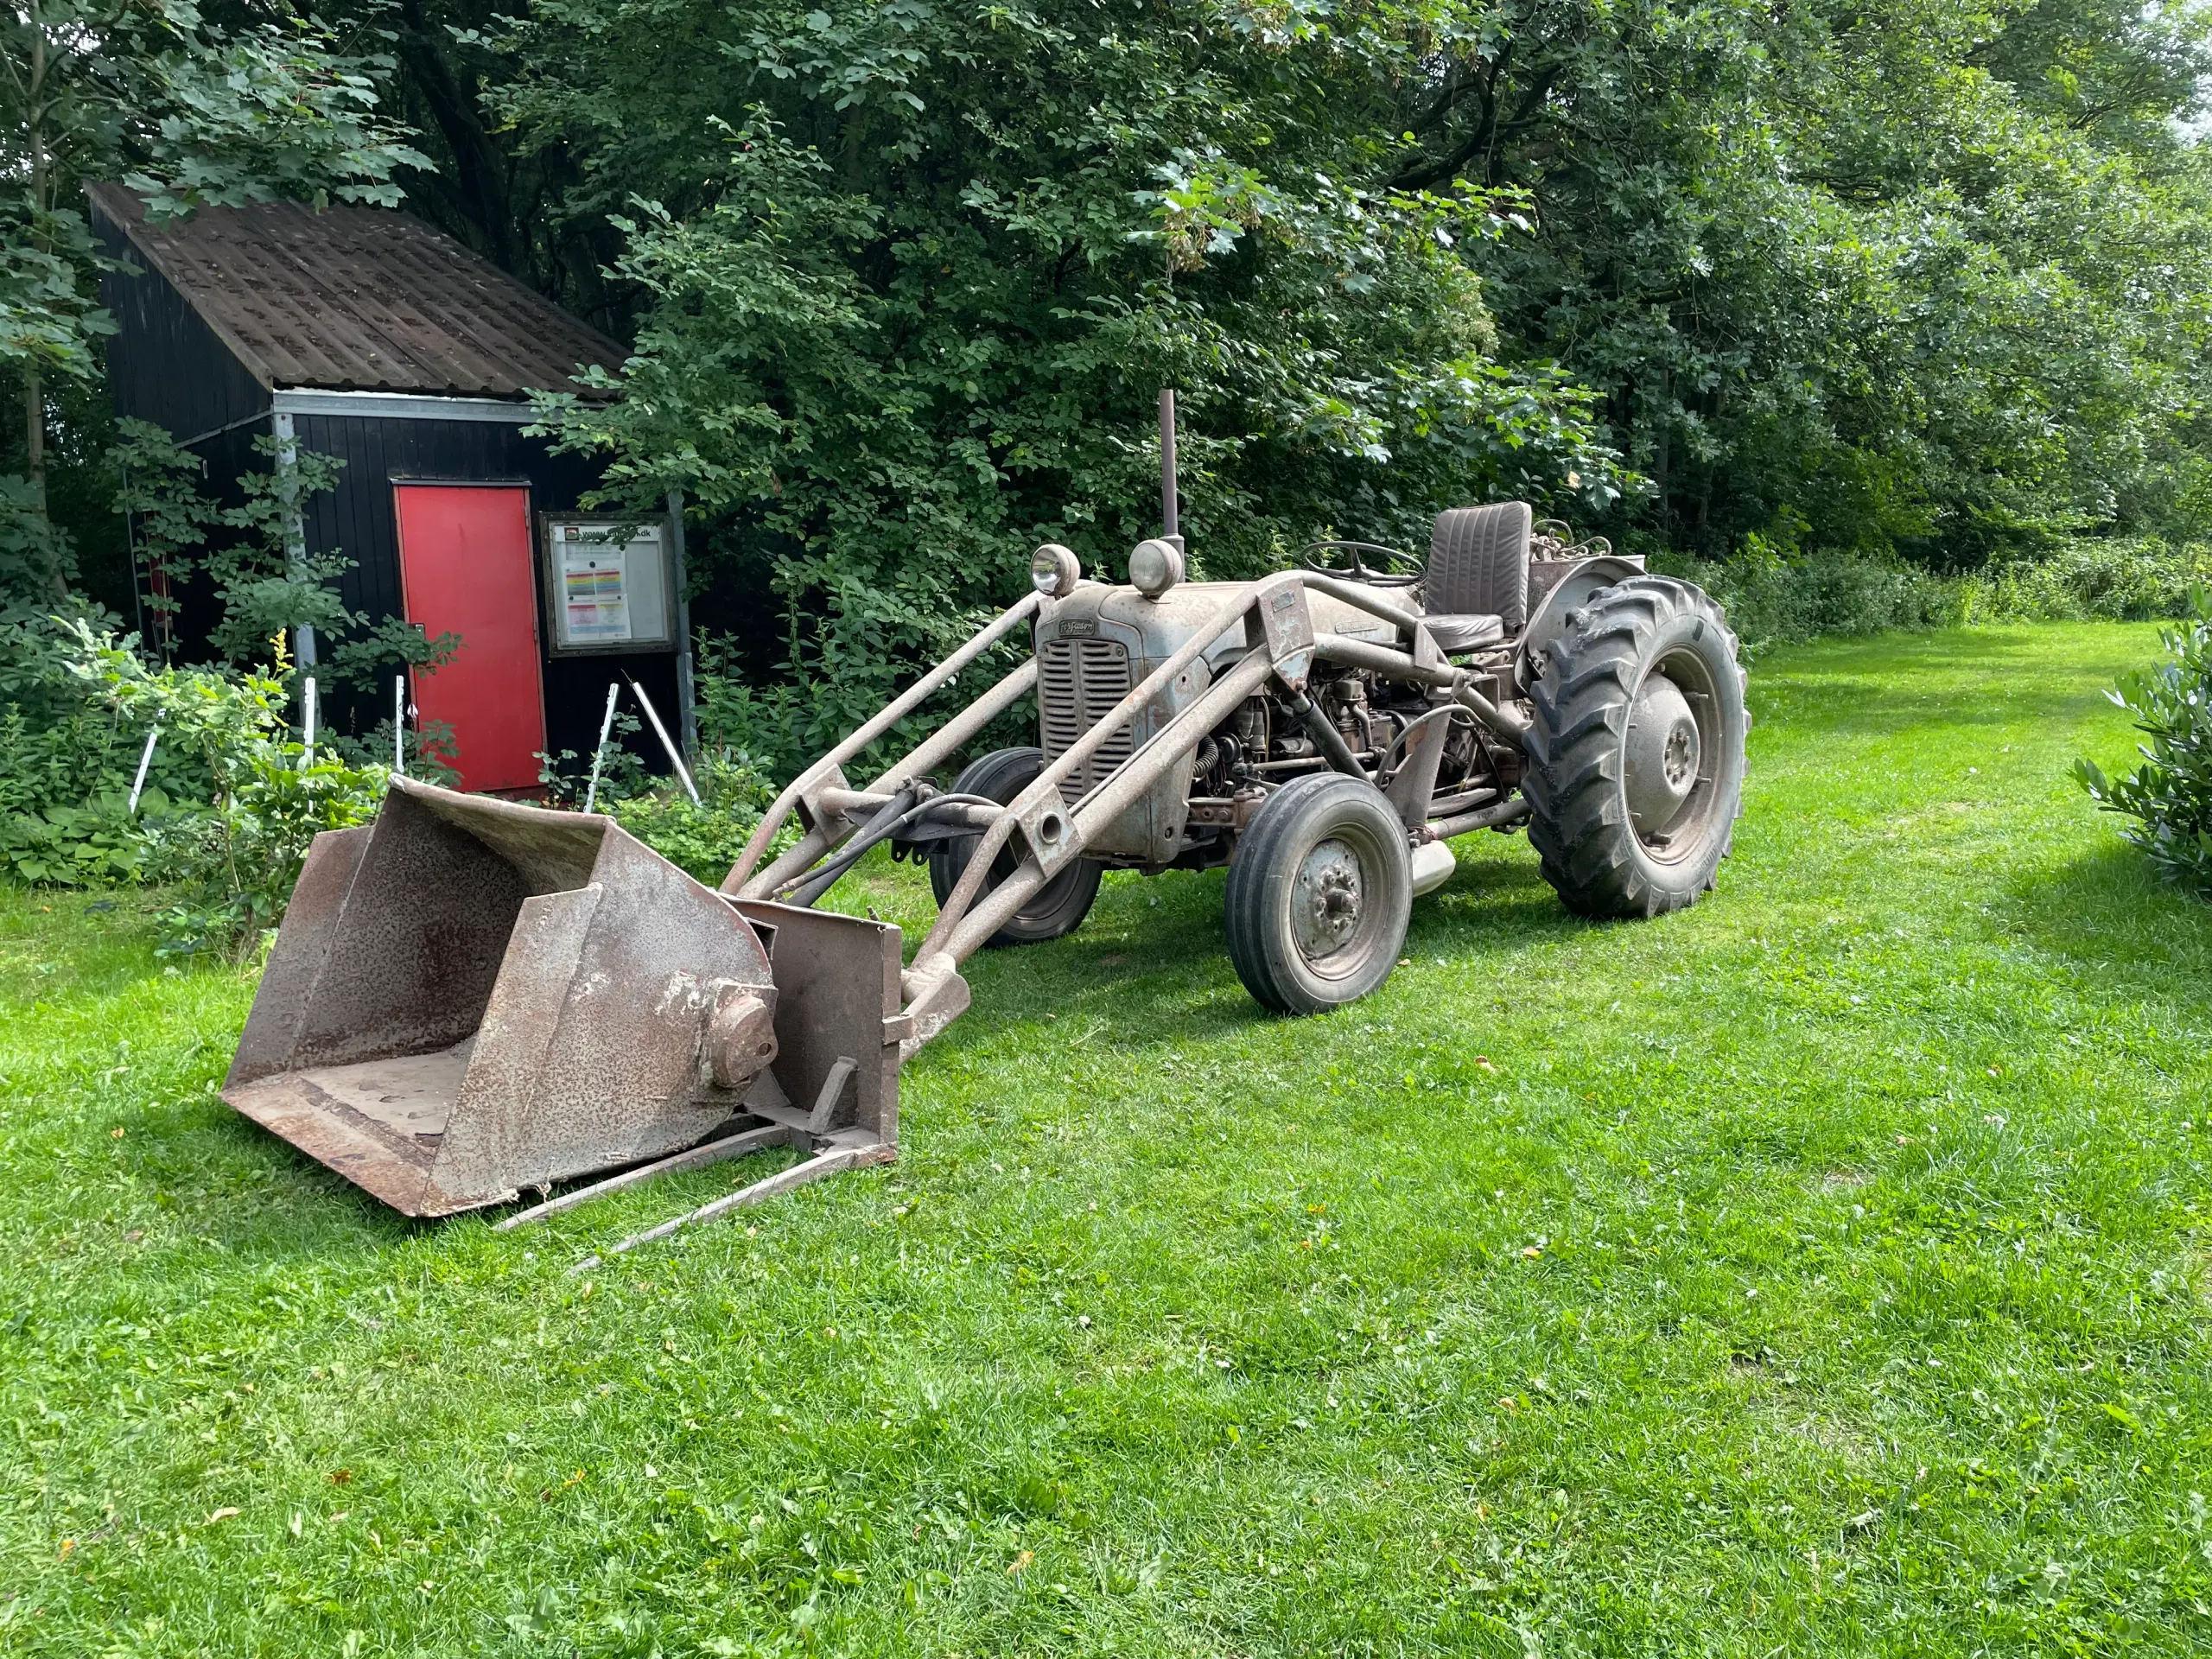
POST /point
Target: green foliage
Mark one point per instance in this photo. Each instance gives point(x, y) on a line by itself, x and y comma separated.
point(1774, 601)
point(33, 550)
point(231, 805)
point(268, 110)
point(65, 750)
point(704, 839)
point(264, 585)
point(906, 303)
point(1925, 280)
point(170, 516)
point(234, 862)
point(1773, 598)
point(1907, 287)
point(199, 111)
point(2121, 579)
point(231, 868)
point(2170, 795)
point(95, 843)
point(707, 838)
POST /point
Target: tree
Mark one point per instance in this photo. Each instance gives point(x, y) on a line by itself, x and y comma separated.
point(191, 113)
point(1895, 277)
point(909, 277)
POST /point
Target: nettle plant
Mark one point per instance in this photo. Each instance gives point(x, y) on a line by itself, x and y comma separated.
point(2170, 795)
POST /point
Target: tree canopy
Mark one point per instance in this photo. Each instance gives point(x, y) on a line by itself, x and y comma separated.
point(1917, 280)
point(191, 110)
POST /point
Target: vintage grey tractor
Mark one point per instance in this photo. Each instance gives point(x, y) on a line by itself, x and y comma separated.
point(473, 997)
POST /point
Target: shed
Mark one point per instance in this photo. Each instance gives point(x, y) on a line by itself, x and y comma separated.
point(366, 334)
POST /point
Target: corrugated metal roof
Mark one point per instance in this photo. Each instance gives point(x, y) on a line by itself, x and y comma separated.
point(359, 299)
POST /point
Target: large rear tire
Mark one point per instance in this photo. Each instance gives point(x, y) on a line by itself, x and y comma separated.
point(1637, 756)
point(1061, 904)
point(1319, 893)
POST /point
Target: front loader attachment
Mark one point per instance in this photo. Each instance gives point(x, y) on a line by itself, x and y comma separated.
point(469, 997)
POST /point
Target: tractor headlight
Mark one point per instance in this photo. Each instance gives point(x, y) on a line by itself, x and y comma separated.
point(1154, 567)
point(1054, 571)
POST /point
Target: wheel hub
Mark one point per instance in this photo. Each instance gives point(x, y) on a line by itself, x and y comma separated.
point(1661, 756)
point(1325, 899)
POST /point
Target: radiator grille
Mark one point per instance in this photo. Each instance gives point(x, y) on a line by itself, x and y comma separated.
point(1078, 683)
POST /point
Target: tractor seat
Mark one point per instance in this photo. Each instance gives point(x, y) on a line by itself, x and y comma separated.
point(1478, 572)
point(1456, 632)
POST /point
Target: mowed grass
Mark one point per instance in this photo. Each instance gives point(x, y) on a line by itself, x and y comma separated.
point(1822, 1270)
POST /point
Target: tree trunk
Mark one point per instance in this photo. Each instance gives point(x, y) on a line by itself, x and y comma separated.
point(35, 465)
point(37, 138)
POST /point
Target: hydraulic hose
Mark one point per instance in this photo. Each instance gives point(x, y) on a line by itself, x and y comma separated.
point(898, 814)
point(886, 819)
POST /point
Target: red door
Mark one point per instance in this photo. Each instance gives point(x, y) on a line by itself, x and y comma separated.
point(465, 567)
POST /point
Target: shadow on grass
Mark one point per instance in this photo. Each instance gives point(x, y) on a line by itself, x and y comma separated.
point(1158, 974)
point(2109, 910)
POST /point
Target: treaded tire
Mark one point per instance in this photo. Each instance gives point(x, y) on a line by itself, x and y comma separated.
point(1478, 562)
point(1602, 669)
point(1310, 827)
point(1061, 904)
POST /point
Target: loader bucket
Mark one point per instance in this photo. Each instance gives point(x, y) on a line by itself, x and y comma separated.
point(469, 997)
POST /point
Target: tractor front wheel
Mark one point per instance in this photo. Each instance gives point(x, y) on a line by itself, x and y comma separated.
point(1061, 904)
point(1319, 893)
point(1636, 771)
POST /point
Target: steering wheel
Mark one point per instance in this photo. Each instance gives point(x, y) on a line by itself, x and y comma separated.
point(1314, 557)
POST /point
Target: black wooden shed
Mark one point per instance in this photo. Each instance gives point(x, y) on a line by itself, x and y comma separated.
point(366, 335)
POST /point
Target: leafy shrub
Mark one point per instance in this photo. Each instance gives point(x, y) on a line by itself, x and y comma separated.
point(234, 863)
point(1776, 599)
point(68, 756)
point(230, 832)
point(704, 839)
point(2119, 579)
point(2170, 795)
point(92, 845)
point(262, 585)
point(1772, 601)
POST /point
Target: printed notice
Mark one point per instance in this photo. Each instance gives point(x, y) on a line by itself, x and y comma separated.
point(595, 589)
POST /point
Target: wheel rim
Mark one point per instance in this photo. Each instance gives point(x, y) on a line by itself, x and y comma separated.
point(1048, 898)
point(1337, 904)
point(1671, 757)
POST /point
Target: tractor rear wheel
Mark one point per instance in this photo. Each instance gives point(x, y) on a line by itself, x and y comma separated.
point(1319, 893)
point(1061, 904)
point(1636, 773)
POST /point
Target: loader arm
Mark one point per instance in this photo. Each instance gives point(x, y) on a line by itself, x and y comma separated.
point(1044, 831)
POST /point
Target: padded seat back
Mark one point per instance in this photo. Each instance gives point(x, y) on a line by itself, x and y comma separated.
point(1478, 562)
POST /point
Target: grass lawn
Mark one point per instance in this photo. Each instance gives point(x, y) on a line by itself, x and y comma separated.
point(1827, 1269)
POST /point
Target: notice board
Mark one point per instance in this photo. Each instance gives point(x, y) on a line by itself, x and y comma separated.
point(610, 583)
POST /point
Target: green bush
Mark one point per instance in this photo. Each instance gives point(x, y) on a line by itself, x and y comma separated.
point(62, 742)
point(227, 826)
point(2118, 578)
point(233, 863)
point(233, 860)
point(2170, 795)
point(92, 845)
point(1772, 600)
point(704, 839)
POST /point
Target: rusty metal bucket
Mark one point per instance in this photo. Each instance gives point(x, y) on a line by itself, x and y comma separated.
point(470, 997)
